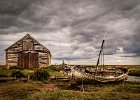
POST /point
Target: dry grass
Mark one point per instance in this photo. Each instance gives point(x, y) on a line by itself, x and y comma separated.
point(63, 91)
point(16, 90)
point(52, 91)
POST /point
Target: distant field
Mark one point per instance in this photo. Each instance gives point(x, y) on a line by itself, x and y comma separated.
point(128, 66)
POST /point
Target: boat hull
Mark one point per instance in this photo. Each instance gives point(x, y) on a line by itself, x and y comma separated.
point(78, 76)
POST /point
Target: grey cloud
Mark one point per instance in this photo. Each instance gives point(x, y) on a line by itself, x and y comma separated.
point(85, 21)
point(121, 10)
point(13, 7)
point(10, 10)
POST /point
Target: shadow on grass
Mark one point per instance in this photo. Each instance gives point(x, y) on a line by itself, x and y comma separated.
point(88, 86)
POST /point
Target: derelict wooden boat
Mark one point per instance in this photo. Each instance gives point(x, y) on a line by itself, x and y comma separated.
point(121, 74)
point(100, 74)
point(107, 75)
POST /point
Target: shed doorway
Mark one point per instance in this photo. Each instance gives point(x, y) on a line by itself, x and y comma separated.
point(28, 60)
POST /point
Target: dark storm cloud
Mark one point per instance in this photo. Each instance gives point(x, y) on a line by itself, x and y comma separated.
point(80, 23)
point(133, 46)
point(13, 7)
point(18, 16)
point(10, 10)
point(123, 17)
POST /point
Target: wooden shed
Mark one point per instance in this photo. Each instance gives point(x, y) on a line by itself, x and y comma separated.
point(27, 53)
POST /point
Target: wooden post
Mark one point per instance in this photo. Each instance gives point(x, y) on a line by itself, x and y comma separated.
point(6, 59)
point(82, 85)
point(49, 59)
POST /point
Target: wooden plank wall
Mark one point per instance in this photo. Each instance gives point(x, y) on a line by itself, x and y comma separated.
point(22, 54)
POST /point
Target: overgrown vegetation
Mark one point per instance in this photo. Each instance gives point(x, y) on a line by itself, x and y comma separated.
point(74, 95)
point(16, 67)
point(55, 71)
point(134, 72)
point(37, 90)
point(40, 75)
point(128, 87)
point(54, 68)
point(95, 92)
point(16, 90)
point(32, 91)
point(5, 73)
point(17, 74)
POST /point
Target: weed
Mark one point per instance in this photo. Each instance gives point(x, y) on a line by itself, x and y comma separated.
point(134, 72)
point(40, 75)
point(16, 90)
point(5, 73)
point(17, 74)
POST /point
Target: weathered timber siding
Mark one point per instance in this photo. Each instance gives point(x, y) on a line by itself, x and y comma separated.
point(27, 53)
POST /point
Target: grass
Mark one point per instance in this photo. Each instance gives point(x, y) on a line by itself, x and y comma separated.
point(27, 72)
point(33, 91)
point(30, 90)
point(134, 72)
point(73, 95)
point(127, 87)
point(56, 74)
point(55, 71)
point(16, 90)
point(63, 95)
point(97, 92)
point(5, 73)
point(8, 72)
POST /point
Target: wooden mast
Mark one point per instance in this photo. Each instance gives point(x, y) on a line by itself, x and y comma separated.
point(101, 54)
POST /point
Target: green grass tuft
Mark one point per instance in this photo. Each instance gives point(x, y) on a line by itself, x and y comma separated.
point(134, 72)
point(16, 90)
point(5, 73)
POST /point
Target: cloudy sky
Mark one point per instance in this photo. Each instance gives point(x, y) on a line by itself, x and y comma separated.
point(73, 29)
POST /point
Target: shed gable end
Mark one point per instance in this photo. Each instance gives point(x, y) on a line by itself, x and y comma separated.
point(27, 43)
